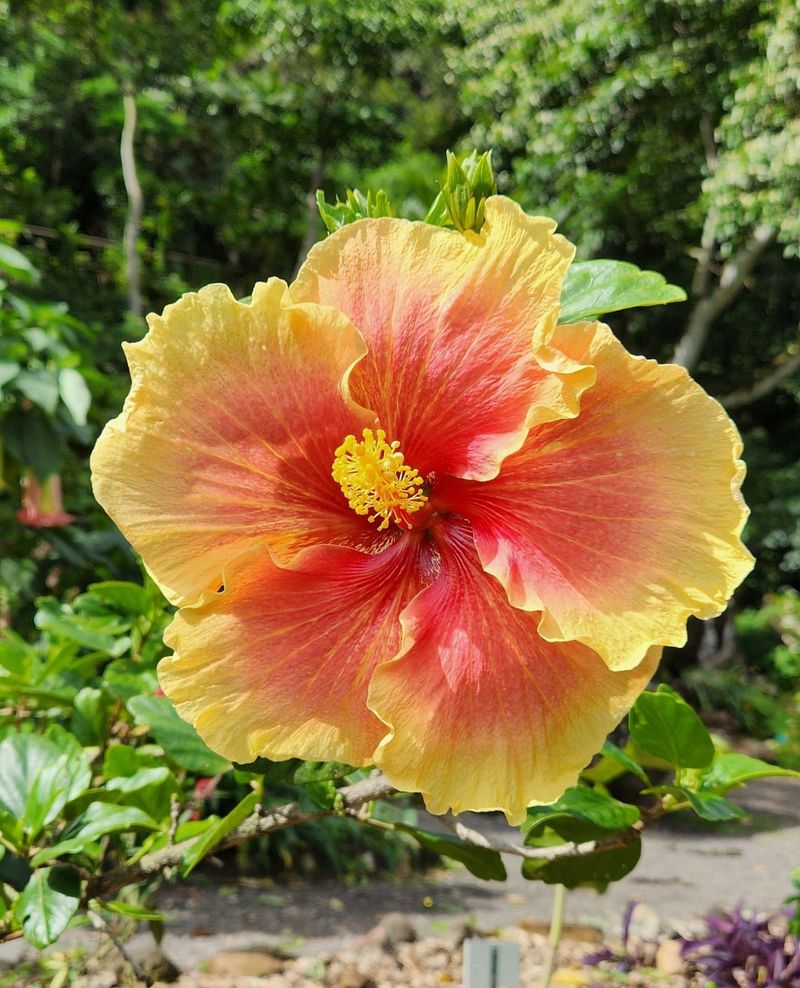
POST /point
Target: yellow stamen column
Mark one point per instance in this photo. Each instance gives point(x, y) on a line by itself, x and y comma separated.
point(376, 481)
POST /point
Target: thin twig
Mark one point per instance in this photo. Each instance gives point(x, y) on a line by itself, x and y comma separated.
point(257, 824)
point(787, 365)
point(102, 926)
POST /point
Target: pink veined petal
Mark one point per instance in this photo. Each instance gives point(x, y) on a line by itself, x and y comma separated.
point(453, 324)
point(622, 522)
point(228, 435)
point(278, 664)
point(483, 713)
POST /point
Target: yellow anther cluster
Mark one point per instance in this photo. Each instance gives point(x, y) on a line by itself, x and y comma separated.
point(376, 481)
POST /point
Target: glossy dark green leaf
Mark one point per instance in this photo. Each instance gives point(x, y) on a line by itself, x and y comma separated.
point(597, 869)
point(47, 904)
point(98, 820)
point(180, 740)
point(709, 806)
point(481, 861)
point(664, 725)
point(33, 440)
point(593, 288)
point(585, 805)
point(14, 869)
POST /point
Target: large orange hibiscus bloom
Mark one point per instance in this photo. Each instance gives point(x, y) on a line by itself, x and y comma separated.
point(411, 521)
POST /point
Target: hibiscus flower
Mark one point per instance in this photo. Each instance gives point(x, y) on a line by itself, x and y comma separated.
point(411, 521)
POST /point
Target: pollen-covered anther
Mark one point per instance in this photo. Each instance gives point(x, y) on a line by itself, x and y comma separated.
point(376, 481)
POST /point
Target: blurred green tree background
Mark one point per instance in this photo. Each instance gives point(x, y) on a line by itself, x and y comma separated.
point(148, 147)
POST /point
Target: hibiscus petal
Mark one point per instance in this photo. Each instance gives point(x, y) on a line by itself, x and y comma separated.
point(451, 321)
point(483, 713)
point(278, 663)
point(228, 434)
point(621, 523)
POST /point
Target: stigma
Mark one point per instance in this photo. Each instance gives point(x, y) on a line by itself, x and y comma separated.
point(376, 481)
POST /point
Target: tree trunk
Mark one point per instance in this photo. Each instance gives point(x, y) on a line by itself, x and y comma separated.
point(133, 221)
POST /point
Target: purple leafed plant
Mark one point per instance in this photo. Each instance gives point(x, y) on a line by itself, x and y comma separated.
point(740, 951)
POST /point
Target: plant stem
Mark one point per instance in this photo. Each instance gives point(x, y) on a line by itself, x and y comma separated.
point(556, 926)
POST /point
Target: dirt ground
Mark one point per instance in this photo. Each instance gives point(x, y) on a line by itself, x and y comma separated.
point(220, 932)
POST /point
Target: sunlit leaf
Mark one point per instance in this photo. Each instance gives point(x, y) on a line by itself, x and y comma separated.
point(593, 288)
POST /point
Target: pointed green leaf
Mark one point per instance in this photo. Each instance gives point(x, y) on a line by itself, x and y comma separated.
point(47, 904)
point(127, 909)
point(481, 861)
point(584, 805)
point(8, 371)
point(664, 725)
point(617, 754)
point(180, 740)
point(596, 869)
point(214, 835)
point(708, 806)
point(17, 266)
point(730, 770)
point(39, 387)
point(74, 393)
point(593, 288)
point(98, 820)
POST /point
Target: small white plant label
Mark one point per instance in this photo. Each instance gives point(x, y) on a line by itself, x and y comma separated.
point(491, 964)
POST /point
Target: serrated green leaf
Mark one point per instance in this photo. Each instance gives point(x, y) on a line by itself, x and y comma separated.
point(593, 288)
point(664, 725)
point(74, 393)
point(180, 740)
point(214, 835)
point(597, 869)
point(47, 904)
point(730, 770)
point(481, 861)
